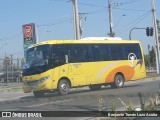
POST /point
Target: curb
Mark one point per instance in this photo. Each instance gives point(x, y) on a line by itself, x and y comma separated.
point(145, 79)
point(152, 78)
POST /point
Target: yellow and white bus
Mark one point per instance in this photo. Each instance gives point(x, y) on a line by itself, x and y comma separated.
point(58, 65)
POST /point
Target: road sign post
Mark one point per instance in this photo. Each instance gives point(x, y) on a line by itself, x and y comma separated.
point(29, 36)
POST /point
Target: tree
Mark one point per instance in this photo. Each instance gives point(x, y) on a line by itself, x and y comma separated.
point(150, 59)
point(6, 63)
point(147, 60)
point(152, 56)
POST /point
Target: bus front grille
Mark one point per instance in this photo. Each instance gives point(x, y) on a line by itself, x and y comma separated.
point(32, 83)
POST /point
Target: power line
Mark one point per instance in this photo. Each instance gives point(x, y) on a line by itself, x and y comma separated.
point(11, 37)
point(87, 4)
point(138, 10)
point(119, 20)
point(61, 0)
point(58, 21)
point(130, 26)
point(92, 5)
point(130, 2)
point(134, 22)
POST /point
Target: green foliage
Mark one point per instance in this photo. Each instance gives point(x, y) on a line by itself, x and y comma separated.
point(150, 105)
point(128, 107)
point(100, 105)
point(150, 59)
point(113, 108)
point(147, 61)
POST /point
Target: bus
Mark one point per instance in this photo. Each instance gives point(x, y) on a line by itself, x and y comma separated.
point(59, 65)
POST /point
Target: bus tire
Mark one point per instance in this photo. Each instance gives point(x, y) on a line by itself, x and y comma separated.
point(63, 87)
point(94, 87)
point(38, 93)
point(118, 81)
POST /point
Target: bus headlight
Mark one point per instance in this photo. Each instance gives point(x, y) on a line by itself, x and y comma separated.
point(41, 80)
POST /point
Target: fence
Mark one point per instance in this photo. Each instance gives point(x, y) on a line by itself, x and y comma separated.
point(11, 69)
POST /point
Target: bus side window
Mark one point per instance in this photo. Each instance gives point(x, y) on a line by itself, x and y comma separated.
point(54, 56)
point(104, 52)
point(133, 48)
point(61, 55)
point(96, 53)
point(70, 52)
point(57, 55)
point(116, 52)
point(80, 53)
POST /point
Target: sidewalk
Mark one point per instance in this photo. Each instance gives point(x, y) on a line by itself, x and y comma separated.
point(11, 91)
point(12, 95)
point(9, 87)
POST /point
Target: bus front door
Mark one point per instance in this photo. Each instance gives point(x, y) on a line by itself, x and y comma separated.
point(76, 74)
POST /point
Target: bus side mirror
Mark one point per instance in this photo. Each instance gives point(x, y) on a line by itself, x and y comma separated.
point(66, 58)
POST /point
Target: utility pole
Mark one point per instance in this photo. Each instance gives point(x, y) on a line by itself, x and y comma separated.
point(12, 67)
point(6, 65)
point(149, 55)
point(80, 25)
point(76, 20)
point(111, 34)
point(81, 15)
point(156, 36)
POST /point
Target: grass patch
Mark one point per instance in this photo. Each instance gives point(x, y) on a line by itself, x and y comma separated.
point(10, 87)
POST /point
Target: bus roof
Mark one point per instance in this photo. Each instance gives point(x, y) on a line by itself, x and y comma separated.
point(83, 42)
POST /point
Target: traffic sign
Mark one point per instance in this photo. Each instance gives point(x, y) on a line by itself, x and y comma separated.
point(28, 30)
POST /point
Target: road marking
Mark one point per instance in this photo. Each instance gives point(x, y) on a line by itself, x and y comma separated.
point(49, 103)
point(39, 104)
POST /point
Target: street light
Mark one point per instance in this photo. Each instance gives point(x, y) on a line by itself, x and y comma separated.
point(132, 30)
point(149, 31)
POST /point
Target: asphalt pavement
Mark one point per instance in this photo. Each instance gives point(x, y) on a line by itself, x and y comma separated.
point(77, 100)
point(11, 91)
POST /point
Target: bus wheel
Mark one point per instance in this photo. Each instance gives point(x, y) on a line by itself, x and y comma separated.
point(118, 81)
point(63, 87)
point(38, 93)
point(95, 87)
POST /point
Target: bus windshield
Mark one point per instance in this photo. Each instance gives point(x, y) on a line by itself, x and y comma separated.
point(37, 59)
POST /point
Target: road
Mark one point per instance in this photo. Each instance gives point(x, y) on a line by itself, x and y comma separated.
point(83, 99)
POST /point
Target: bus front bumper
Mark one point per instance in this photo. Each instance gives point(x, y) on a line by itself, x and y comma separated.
point(38, 85)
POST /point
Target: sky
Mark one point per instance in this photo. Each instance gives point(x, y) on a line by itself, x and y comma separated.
point(54, 20)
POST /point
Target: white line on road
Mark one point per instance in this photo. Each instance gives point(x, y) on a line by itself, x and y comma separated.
point(40, 104)
point(49, 103)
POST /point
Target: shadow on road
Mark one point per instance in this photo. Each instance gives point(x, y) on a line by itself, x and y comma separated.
point(80, 92)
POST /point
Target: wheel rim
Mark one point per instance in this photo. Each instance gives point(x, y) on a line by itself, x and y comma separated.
point(119, 80)
point(64, 87)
